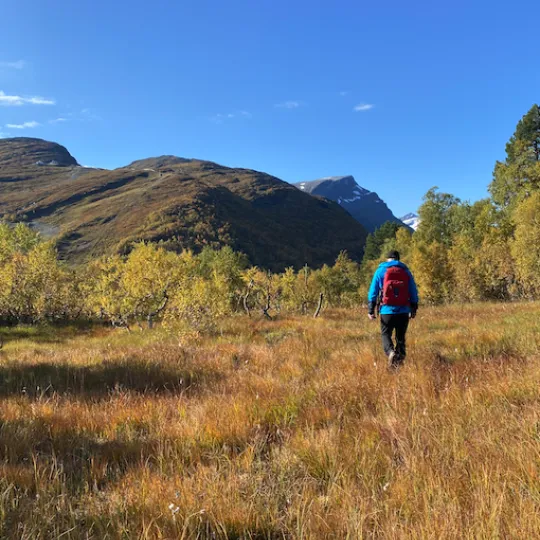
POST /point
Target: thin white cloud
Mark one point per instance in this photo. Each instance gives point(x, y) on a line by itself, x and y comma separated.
point(58, 120)
point(344, 93)
point(17, 101)
point(40, 101)
point(89, 115)
point(20, 64)
point(26, 125)
point(220, 118)
point(288, 105)
point(363, 107)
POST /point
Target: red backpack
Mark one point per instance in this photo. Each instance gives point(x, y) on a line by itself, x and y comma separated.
point(396, 287)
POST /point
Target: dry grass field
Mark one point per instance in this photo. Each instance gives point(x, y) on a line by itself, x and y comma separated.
point(274, 429)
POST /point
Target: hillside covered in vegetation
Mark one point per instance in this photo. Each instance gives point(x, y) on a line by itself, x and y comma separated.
point(180, 203)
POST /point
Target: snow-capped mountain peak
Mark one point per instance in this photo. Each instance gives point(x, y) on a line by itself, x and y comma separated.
point(412, 220)
point(366, 206)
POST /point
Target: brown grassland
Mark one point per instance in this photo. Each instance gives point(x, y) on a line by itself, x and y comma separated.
point(291, 428)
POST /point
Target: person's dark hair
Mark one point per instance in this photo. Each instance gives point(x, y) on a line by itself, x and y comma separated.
point(393, 254)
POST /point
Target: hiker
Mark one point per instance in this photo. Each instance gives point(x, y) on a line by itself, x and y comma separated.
point(394, 289)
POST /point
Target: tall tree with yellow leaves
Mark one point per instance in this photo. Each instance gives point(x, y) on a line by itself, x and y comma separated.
point(526, 245)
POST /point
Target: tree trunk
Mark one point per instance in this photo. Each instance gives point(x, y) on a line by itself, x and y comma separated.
point(246, 297)
point(267, 308)
point(319, 306)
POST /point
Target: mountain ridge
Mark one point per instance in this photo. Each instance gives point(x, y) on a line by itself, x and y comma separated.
point(28, 152)
point(180, 203)
point(364, 205)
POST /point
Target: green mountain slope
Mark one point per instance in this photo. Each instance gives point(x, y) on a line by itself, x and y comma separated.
point(180, 202)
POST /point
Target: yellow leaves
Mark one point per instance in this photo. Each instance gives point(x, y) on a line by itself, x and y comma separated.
point(132, 289)
point(200, 303)
point(432, 271)
point(526, 244)
point(16, 239)
point(404, 241)
point(154, 283)
point(33, 285)
point(148, 269)
point(462, 258)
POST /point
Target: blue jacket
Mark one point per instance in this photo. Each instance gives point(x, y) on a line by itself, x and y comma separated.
point(377, 286)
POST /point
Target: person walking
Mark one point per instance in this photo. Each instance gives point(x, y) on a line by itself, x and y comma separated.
point(394, 289)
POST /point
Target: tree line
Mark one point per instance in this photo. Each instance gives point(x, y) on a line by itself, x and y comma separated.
point(461, 252)
point(487, 250)
point(151, 283)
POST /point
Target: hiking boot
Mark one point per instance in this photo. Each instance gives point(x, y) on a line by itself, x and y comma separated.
point(395, 360)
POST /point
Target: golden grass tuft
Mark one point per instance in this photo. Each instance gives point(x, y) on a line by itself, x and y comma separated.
point(274, 429)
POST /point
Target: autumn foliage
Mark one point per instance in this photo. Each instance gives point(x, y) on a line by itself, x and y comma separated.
point(229, 411)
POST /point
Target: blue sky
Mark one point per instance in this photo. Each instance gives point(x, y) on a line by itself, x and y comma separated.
point(403, 95)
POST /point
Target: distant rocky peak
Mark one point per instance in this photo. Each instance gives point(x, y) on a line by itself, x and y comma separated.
point(412, 220)
point(22, 152)
point(364, 205)
point(334, 187)
point(345, 180)
point(159, 162)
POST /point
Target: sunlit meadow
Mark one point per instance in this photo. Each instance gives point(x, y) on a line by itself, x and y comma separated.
point(293, 428)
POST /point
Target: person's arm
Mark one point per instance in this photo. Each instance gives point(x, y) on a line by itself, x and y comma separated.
point(373, 294)
point(413, 295)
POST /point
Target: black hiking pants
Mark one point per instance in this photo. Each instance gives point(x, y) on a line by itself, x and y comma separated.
point(399, 323)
